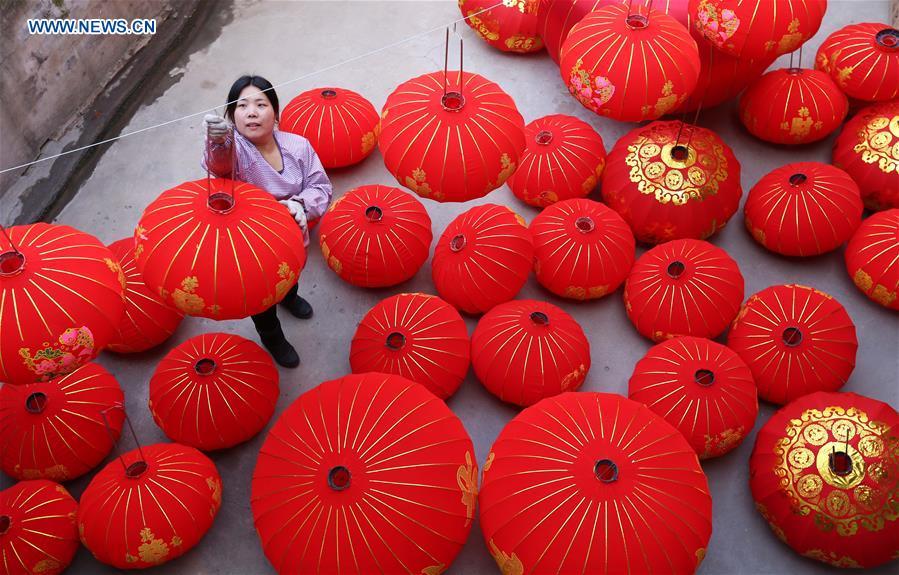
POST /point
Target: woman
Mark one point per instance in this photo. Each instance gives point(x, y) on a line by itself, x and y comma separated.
point(283, 164)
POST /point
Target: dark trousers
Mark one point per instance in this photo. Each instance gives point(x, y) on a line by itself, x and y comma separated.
point(267, 321)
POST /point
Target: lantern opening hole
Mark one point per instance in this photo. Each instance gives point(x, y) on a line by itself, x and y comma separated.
point(888, 38)
point(220, 202)
point(457, 244)
point(792, 336)
point(637, 21)
point(11, 263)
point(374, 213)
point(205, 366)
point(676, 269)
point(5, 522)
point(798, 179)
point(680, 153)
point(539, 318)
point(585, 225)
point(136, 469)
point(453, 101)
point(395, 341)
point(329, 94)
point(339, 478)
point(704, 377)
point(606, 471)
point(794, 71)
point(36, 402)
point(840, 463)
point(543, 137)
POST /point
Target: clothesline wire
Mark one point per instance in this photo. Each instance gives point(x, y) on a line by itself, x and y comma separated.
point(303, 77)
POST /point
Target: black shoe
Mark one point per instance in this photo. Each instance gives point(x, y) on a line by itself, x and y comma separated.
point(283, 353)
point(298, 307)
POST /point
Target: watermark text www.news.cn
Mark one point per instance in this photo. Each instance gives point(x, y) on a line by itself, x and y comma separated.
point(91, 26)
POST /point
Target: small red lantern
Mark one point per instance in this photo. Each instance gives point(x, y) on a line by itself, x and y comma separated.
point(868, 149)
point(37, 528)
point(796, 340)
point(564, 159)
point(341, 125)
point(864, 60)
point(582, 249)
point(375, 236)
point(483, 258)
point(872, 258)
point(214, 391)
point(417, 336)
point(803, 209)
point(510, 26)
point(525, 350)
point(683, 287)
point(602, 50)
point(669, 181)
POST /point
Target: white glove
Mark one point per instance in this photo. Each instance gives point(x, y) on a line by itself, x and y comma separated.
point(217, 128)
point(296, 209)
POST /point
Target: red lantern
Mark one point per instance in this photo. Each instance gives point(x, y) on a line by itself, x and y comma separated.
point(526, 350)
point(700, 387)
point(864, 60)
point(669, 181)
point(386, 467)
point(451, 136)
point(37, 528)
point(583, 249)
point(58, 429)
point(483, 258)
point(564, 159)
point(147, 321)
point(510, 26)
point(683, 287)
point(417, 336)
point(872, 258)
point(150, 506)
point(341, 125)
point(594, 483)
point(60, 298)
point(214, 391)
point(225, 251)
point(803, 209)
point(603, 49)
point(868, 149)
point(796, 340)
point(825, 474)
point(376, 236)
point(721, 77)
point(757, 29)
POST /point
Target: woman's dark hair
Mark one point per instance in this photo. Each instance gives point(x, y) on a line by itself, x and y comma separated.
point(243, 82)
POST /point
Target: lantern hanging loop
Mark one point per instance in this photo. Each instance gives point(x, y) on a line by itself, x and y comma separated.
point(138, 467)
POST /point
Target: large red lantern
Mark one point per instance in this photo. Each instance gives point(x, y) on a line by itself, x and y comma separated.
point(147, 321)
point(386, 467)
point(525, 350)
point(872, 258)
point(683, 287)
point(218, 249)
point(863, 59)
point(60, 299)
point(825, 475)
point(510, 26)
point(721, 77)
point(341, 125)
point(149, 506)
point(669, 180)
point(417, 336)
point(700, 387)
point(803, 209)
point(564, 159)
point(214, 391)
point(451, 136)
point(594, 483)
point(868, 149)
point(37, 528)
point(796, 340)
point(483, 258)
point(793, 106)
point(375, 236)
point(602, 50)
point(582, 249)
point(60, 429)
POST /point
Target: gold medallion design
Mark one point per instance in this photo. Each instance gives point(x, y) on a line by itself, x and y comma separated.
point(878, 142)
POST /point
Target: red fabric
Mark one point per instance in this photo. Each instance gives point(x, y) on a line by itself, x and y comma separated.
point(139, 522)
point(510, 27)
point(846, 520)
point(872, 258)
point(451, 155)
point(417, 336)
point(220, 266)
point(602, 50)
point(61, 307)
point(868, 149)
point(700, 387)
point(564, 159)
point(375, 236)
point(214, 405)
point(341, 125)
point(41, 538)
point(700, 297)
point(525, 350)
point(63, 435)
point(543, 509)
point(409, 478)
point(793, 106)
point(147, 321)
point(796, 340)
point(663, 198)
point(483, 258)
point(582, 249)
point(721, 76)
point(863, 66)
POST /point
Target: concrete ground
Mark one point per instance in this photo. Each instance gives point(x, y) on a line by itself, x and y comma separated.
point(285, 40)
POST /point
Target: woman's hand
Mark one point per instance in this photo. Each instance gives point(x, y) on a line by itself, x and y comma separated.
point(216, 128)
point(298, 211)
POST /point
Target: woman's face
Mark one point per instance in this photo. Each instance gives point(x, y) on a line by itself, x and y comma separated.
point(254, 116)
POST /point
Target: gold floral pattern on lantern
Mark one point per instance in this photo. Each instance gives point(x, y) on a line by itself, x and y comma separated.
point(789, 41)
point(467, 479)
point(879, 292)
point(288, 278)
point(417, 182)
point(722, 442)
point(878, 142)
point(801, 124)
point(369, 139)
point(832, 558)
point(508, 564)
point(716, 27)
point(331, 260)
point(46, 566)
point(434, 569)
point(585, 293)
point(151, 549)
point(521, 43)
point(666, 102)
point(574, 379)
point(74, 347)
point(591, 91)
point(185, 299)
